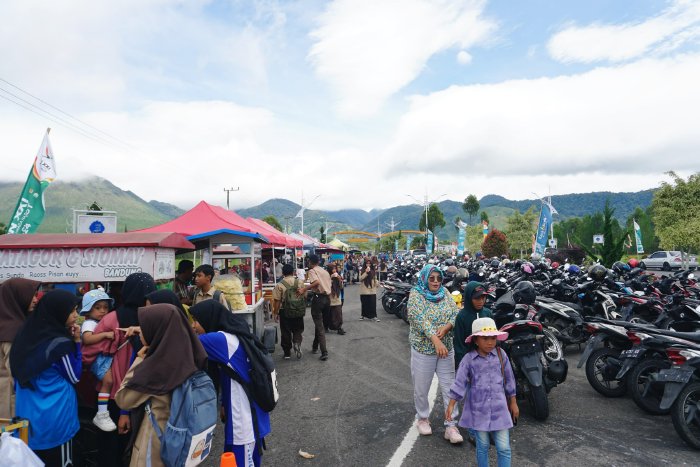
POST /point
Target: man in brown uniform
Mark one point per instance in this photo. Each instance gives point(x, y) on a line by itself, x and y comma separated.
point(320, 285)
point(291, 328)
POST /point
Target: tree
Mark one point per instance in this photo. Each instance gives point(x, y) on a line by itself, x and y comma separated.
point(435, 219)
point(272, 220)
point(416, 242)
point(475, 237)
point(613, 247)
point(484, 216)
point(495, 244)
point(470, 206)
point(520, 228)
point(94, 207)
point(676, 213)
point(3, 229)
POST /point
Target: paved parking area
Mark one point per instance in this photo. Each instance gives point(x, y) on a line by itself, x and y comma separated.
point(357, 408)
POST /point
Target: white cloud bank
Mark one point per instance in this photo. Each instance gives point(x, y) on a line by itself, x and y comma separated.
point(368, 50)
point(636, 118)
point(667, 31)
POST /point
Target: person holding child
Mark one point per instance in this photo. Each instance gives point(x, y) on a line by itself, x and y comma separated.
point(96, 304)
point(486, 383)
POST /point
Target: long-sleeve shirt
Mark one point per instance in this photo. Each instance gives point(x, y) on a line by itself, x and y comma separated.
point(425, 317)
point(479, 383)
point(51, 405)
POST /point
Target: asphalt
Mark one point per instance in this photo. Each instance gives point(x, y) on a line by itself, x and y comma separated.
point(357, 407)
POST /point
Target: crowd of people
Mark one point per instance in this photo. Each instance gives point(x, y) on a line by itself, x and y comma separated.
point(136, 350)
point(125, 359)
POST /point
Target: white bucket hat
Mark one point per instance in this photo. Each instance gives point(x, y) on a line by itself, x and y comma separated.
point(486, 327)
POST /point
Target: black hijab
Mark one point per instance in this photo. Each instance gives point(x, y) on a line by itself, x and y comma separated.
point(16, 295)
point(134, 291)
point(214, 317)
point(174, 351)
point(166, 296)
point(44, 338)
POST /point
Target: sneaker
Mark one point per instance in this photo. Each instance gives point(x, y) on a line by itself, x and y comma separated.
point(452, 435)
point(424, 427)
point(287, 356)
point(314, 350)
point(362, 318)
point(297, 350)
point(324, 356)
point(376, 320)
point(103, 422)
point(341, 332)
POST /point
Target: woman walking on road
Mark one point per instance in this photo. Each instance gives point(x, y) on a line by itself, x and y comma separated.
point(431, 316)
point(368, 291)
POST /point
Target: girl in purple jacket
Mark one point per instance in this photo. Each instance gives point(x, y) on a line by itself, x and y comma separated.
point(486, 383)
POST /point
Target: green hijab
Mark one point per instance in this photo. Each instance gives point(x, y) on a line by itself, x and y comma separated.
point(464, 320)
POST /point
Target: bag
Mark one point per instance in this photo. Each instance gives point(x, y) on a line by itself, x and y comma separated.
point(193, 414)
point(217, 298)
point(293, 304)
point(14, 453)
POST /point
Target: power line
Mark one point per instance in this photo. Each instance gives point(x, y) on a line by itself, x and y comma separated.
point(67, 114)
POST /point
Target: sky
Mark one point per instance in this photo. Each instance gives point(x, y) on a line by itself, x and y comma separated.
point(356, 103)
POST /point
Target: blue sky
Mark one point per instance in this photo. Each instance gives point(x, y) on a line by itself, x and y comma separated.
point(359, 101)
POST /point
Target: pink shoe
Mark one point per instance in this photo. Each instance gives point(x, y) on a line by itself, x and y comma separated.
point(424, 427)
point(452, 435)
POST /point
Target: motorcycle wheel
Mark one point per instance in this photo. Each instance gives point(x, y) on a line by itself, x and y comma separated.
point(385, 304)
point(595, 368)
point(685, 415)
point(539, 402)
point(645, 391)
point(551, 346)
point(403, 314)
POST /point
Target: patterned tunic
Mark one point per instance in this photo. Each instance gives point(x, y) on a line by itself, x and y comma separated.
point(425, 317)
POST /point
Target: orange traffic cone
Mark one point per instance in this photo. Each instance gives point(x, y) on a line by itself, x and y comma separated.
point(228, 460)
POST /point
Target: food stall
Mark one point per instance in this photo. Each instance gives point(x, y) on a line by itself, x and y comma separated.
point(90, 258)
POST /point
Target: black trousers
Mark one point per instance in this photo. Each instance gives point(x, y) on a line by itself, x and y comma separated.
point(320, 305)
point(369, 305)
point(291, 330)
point(60, 456)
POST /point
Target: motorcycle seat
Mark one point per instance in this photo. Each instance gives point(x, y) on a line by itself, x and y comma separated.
point(689, 336)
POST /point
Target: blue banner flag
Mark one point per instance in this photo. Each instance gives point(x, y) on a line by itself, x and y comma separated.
point(461, 235)
point(543, 229)
point(396, 244)
point(429, 243)
point(638, 237)
point(409, 239)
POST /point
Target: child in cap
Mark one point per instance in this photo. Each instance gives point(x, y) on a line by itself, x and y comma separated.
point(96, 304)
point(486, 383)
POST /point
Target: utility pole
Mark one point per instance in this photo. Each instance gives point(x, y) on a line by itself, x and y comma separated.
point(392, 225)
point(228, 193)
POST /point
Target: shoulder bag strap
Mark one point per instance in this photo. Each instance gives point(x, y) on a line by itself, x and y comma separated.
point(152, 417)
point(503, 367)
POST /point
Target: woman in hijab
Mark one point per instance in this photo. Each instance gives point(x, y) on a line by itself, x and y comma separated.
point(170, 297)
point(431, 316)
point(368, 291)
point(46, 363)
point(124, 323)
point(218, 331)
point(18, 298)
point(170, 354)
point(474, 300)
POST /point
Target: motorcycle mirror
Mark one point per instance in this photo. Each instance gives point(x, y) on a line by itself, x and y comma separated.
point(691, 276)
point(456, 292)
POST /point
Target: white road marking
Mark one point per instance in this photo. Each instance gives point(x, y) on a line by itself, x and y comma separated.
point(411, 437)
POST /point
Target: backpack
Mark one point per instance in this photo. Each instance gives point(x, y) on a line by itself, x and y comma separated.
point(293, 304)
point(193, 415)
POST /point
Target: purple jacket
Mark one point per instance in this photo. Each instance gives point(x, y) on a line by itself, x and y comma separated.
point(480, 384)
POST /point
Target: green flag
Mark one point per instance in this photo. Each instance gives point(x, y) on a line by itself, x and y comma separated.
point(30, 207)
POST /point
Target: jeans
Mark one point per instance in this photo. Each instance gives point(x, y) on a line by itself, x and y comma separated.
point(502, 442)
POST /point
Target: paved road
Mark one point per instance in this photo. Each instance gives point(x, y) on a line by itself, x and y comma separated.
point(357, 407)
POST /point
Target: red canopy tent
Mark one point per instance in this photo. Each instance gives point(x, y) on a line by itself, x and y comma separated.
point(275, 236)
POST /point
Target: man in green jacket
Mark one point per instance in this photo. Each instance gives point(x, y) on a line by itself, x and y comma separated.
point(474, 300)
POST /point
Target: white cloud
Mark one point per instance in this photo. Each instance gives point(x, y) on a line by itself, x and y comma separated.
point(636, 118)
point(464, 57)
point(368, 50)
point(662, 33)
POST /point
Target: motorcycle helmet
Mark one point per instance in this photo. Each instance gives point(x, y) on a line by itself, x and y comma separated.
point(557, 371)
point(543, 266)
point(620, 267)
point(449, 262)
point(555, 265)
point(597, 272)
point(573, 269)
point(524, 292)
point(633, 263)
point(527, 268)
point(495, 263)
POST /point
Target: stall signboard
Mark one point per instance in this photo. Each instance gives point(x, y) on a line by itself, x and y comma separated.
point(95, 224)
point(94, 264)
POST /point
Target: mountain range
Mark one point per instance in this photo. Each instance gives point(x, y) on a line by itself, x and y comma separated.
point(134, 212)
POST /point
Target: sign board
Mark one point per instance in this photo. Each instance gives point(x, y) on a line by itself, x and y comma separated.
point(95, 264)
point(95, 224)
point(598, 238)
point(552, 243)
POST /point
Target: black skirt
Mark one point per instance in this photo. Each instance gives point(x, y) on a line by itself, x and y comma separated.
point(369, 305)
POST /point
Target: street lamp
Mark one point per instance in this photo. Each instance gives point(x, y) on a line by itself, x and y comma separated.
point(426, 204)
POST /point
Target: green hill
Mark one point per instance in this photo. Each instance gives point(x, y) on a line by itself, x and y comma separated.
point(62, 197)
